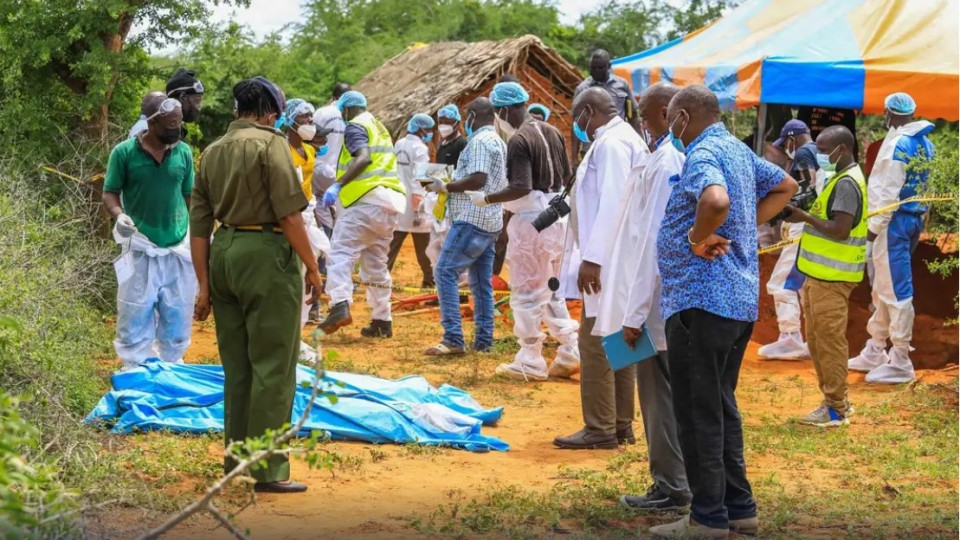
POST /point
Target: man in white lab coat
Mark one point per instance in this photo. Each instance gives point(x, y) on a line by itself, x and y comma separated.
point(894, 235)
point(608, 174)
point(631, 296)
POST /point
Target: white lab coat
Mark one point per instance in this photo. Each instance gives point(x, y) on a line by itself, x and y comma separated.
point(410, 151)
point(632, 297)
point(612, 170)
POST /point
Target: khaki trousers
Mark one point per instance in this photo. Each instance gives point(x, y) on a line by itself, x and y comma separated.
point(825, 306)
point(607, 396)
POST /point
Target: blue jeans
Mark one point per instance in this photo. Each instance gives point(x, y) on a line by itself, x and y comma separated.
point(472, 249)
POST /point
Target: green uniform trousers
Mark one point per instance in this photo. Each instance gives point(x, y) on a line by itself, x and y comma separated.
point(256, 289)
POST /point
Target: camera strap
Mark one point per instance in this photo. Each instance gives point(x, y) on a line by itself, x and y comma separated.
point(536, 124)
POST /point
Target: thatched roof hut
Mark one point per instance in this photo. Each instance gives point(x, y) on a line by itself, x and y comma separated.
point(426, 77)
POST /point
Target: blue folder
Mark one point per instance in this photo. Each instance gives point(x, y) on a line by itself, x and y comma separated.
point(620, 355)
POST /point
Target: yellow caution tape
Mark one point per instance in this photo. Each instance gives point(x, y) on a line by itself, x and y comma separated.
point(916, 198)
point(419, 290)
point(71, 177)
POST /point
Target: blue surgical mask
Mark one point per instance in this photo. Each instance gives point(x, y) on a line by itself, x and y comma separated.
point(427, 138)
point(323, 150)
point(823, 161)
point(674, 139)
point(468, 126)
point(579, 132)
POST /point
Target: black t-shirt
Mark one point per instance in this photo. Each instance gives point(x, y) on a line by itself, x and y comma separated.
point(537, 158)
point(449, 153)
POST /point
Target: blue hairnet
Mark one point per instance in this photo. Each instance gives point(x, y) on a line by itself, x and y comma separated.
point(542, 108)
point(507, 94)
point(420, 121)
point(900, 103)
point(449, 111)
point(352, 99)
point(295, 107)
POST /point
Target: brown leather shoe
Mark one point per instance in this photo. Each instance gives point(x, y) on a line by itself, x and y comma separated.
point(586, 440)
point(279, 487)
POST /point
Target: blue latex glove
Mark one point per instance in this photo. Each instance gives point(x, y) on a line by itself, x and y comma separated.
point(330, 196)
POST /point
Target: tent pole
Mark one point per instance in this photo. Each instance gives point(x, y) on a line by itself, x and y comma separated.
point(761, 129)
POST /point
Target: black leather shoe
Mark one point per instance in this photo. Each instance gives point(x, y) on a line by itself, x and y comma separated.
point(625, 436)
point(378, 329)
point(586, 440)
point(279, 487)
point(655, 502)
point(338, 317)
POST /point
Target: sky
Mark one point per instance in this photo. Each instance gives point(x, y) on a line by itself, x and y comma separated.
point(265, 16)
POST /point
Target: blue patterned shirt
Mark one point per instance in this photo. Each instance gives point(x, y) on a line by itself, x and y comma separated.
point(728, 286)
point(485, 153)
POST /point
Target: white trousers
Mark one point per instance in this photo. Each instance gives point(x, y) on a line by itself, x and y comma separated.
point(155, 309)
point(363, 233)
point(319, 244)
point(534, 258)
point(892, 282)
point(786, 300)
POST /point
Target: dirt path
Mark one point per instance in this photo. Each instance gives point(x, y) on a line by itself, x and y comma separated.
point(379, 489)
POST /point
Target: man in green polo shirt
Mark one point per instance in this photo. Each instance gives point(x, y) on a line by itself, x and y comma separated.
point(147, 189)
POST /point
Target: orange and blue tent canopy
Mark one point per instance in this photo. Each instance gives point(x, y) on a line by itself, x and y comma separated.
point(829, 53)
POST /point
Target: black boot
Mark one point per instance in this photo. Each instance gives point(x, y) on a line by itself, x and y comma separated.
point(625, 436)
point(338, 317)
point(378, 329)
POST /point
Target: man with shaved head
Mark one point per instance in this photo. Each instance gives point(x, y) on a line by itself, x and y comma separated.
point(832, 254)
point(141, 123)
point(638, 312)
point(601, 76)
point(147, 189)
point(707, 249)
point(469, 247)
point(605, 180)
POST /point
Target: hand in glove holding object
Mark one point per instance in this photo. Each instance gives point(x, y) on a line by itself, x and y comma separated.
point(330, 196)
point(125, 226)
point(478, 198)
point(438, 186)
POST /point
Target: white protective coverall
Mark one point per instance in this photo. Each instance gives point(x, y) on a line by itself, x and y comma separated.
point(410, 151)
point(325, 166)
point(631, 281)
point(898, 232)
point(363, 233)
point(534, 258)
point(155, 303)
point(784, 285)
point(320, 245)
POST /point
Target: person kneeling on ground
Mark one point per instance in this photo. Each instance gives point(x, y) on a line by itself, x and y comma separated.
point(832, 255)
point(470, 244)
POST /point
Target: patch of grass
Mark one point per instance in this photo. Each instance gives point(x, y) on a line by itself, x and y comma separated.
point(417, 449)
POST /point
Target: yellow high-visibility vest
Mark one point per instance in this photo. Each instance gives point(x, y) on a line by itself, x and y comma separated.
point(825, 258)
point(382, 171)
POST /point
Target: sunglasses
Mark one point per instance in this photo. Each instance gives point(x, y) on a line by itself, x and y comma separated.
point(196, 87)
point(167, 106)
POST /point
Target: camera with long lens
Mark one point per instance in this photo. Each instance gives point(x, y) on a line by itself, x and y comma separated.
point(555, 210)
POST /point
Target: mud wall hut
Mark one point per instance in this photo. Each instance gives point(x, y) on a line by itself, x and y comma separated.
point(426, 77)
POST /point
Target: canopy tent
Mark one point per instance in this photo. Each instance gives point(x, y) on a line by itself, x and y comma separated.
point(829, 53)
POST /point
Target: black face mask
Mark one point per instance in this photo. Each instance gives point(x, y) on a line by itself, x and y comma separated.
point(169, 136)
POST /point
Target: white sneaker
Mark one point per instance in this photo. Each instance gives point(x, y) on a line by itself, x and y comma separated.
point(517, 371)
point(871, 357)
point(898, 370)
point(788, 347)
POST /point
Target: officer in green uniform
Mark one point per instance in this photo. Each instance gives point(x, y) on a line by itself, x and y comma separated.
point(250, 274)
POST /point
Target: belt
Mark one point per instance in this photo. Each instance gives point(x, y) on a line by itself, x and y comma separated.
point(269, 227)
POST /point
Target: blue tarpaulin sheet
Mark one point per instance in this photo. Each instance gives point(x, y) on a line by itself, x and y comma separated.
point(186, 398)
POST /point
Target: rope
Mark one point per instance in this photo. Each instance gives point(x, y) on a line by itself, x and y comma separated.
point(916, 198)
point(419, 290)
point(93, 178)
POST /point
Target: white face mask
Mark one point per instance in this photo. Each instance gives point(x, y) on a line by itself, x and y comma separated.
point(504, 127)
point(307, 131)
point(445, 130)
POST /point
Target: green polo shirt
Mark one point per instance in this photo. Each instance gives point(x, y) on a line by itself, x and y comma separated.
point(153, 193)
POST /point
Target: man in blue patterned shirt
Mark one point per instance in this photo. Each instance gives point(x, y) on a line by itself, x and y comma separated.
point(708, 262)
point(481, 169)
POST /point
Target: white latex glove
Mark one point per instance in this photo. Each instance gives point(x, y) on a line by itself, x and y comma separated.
point(125, 226)
point(478, 198)
point(438, 186)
